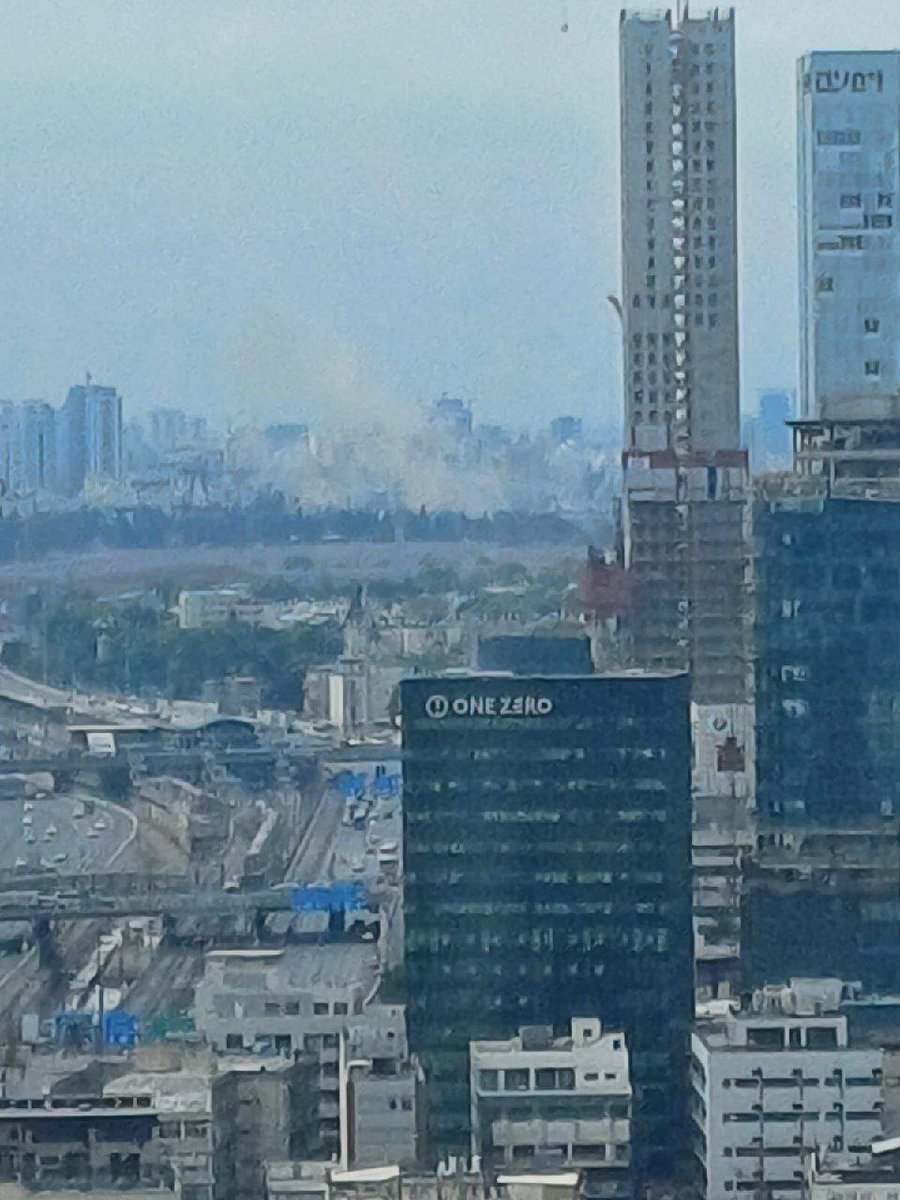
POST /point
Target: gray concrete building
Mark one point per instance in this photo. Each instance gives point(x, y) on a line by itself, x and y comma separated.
point(679, 242)
point(283, 1001)
point(849, 180)
point(685, 476)
point(262, 1110)
point(382, 1092)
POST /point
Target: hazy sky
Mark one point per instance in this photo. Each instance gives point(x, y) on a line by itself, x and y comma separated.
point(277, 207)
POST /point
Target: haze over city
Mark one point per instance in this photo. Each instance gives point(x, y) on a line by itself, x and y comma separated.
point(297, 208)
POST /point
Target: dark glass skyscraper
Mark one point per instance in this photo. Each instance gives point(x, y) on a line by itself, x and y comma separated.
point(821, 898)
point(547, 852)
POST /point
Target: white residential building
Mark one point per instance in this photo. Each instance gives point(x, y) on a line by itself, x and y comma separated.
point(776, 1081)
point(540, 1102)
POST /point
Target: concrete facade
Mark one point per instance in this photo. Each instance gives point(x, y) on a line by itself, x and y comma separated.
point(540, 1102)
point(679, 231)
point(776, 1081)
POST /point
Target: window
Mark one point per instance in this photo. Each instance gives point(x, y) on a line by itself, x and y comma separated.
point(825, 283)
point(821, 1038)
point(516, 1081)
point(838, 137)
point(851, 241)
point(872, 325)
point(234, 1041)
point(851, 200)
point(340, 1008)
point(763, 1037)
point(320, 1008)
point(873, 367)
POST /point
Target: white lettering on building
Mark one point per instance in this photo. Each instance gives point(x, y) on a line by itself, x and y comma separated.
point(437, 706)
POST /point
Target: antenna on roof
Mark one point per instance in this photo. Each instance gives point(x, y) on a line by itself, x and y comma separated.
point(682, 11)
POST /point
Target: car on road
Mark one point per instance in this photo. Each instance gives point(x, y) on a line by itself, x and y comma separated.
point(52, 830)
point(27, 806)
point(61, 857)
point(20, 863)
point(27, 820)
point(92, 833)
point(29, 838)
point(99, 823)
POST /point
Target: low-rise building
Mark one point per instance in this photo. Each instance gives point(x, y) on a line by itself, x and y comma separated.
point(261, 1111)
point(204, 608)
point(195, 1125)
point(777, 1080)
point(541, 1103)
point(382, 1092)
point(288, 1000)
point(876, 1175)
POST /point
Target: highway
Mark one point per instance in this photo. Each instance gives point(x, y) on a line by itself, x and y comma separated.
point(88, 842)
point(310, 863)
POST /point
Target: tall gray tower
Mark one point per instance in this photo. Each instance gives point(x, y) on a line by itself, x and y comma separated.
point(679, 242)
point(849, 184)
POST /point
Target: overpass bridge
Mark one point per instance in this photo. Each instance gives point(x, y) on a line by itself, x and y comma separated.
point(29, 692)
point(47, 896)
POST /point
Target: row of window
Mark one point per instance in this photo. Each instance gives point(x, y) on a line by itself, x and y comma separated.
point(854, 200)
point(809, 1114)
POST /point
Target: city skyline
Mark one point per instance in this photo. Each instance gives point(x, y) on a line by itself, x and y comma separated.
point(172, 215)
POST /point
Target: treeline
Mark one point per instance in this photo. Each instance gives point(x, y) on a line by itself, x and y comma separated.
point(137, 649)
point(268, 522)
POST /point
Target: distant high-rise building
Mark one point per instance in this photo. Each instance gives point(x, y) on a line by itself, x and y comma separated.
point(89, 436)
point(547, 857)
point(566, 429)
point(27, 447)
point(292, 434)
point(453, 415)
point(679, 231)
point(768, 435)
point(849, 185)
point(168, 429)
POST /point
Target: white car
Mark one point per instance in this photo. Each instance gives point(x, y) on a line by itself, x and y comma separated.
point(27, 806)
point(27, 820)
point(92, 833)
point(99, 823)
point(29, 838)
point(52, 830)
point(20, 862)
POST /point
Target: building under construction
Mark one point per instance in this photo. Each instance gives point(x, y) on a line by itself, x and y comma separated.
point(685, 511)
